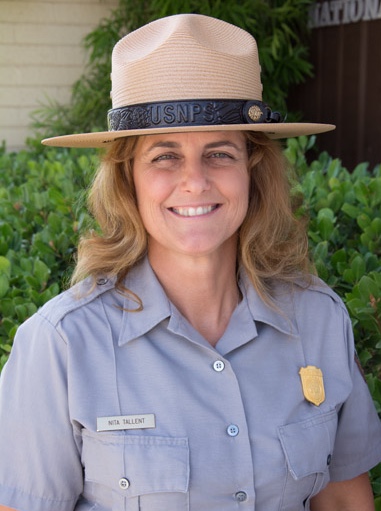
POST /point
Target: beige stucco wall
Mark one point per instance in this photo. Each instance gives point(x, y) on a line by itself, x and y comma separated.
point(40, 56)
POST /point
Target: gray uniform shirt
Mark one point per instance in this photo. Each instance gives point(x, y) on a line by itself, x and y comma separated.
point(101, 408)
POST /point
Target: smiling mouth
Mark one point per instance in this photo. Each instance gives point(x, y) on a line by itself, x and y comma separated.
point(198, 211)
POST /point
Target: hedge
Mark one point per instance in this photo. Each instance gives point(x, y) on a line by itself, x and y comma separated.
point(42, 212)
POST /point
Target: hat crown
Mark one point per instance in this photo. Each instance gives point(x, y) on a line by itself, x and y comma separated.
point(185, 56)
point(187, 72)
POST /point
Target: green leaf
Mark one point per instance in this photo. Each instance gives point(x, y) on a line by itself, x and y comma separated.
point(358, 267)
point(4, 284)
point(350, 210)
point(25, 311)
point(361, 192)
point(375, 191)
point(41, 273)
point(321, 251)
point(335, 200)
point(363, 221)
point(5, 266)
point(340, 256)
point(325, 222)
point(368, 288)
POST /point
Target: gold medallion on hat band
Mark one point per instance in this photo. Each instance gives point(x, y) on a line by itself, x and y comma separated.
point(312, 384)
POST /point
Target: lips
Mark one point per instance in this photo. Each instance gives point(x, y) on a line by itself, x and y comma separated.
point(194, 211)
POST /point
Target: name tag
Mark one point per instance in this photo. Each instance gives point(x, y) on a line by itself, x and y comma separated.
point(144, 421)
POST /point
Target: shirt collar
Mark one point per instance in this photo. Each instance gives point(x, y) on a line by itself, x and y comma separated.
point(157, 308)
point(281, 315)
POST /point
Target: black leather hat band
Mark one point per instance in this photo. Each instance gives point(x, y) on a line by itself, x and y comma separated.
point(190, 113)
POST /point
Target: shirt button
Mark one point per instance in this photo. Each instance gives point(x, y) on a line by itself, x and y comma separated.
point(329, 459)
point(240, 496)
point(232, 430)
point(124, 483)
point(218, 366)
point(101, 281)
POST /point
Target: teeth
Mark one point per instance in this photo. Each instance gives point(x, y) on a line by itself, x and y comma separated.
point(200, 210)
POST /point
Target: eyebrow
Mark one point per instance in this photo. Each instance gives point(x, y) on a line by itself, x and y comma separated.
point(175, 145)
point(220, 143)
point(165, 144)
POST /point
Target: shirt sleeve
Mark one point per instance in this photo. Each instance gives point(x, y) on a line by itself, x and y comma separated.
point(358, 439)
point(40, 462)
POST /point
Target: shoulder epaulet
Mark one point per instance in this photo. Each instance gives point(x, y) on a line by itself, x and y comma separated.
point(72, 299)
point(319, 286)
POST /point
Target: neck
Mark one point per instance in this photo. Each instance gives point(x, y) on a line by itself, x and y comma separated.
point(203, 289)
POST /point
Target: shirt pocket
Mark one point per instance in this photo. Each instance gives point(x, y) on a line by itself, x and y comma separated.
point(308, 449)
point(136, 473)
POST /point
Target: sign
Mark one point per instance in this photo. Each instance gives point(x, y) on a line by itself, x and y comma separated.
point(341, 12)
point(120, 422)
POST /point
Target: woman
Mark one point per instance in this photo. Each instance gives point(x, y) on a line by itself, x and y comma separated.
point(195, 364)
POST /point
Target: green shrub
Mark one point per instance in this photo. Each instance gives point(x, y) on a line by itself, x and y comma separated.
point(345, 240)
point(41, 214)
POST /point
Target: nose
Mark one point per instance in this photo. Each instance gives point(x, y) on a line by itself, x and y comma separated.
point(194, 177)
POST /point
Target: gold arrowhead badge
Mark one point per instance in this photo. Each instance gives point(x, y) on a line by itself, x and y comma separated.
point(313, 385)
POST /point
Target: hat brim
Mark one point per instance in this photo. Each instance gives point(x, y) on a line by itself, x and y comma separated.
point(104, 138)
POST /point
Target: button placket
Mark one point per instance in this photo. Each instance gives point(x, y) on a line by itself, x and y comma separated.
point(237, 444)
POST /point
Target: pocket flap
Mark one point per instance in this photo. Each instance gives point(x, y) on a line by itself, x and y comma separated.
point(150, 464)
point(308, 445)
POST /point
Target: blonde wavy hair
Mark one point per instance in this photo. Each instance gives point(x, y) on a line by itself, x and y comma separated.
point(272, 242)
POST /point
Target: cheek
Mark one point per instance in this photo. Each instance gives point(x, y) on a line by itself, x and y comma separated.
point(151, 193)
point(243, 209)
point(142, 197)
point(240, 189)
point(243, 203)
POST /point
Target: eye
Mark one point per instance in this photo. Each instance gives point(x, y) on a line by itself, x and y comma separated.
point(163, 157)
point(220, 155)
point(220, 159)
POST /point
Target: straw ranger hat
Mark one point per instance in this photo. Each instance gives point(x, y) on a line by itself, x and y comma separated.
point(187, 72)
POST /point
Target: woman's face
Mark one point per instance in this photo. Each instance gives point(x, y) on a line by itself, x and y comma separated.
point(192, 190)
